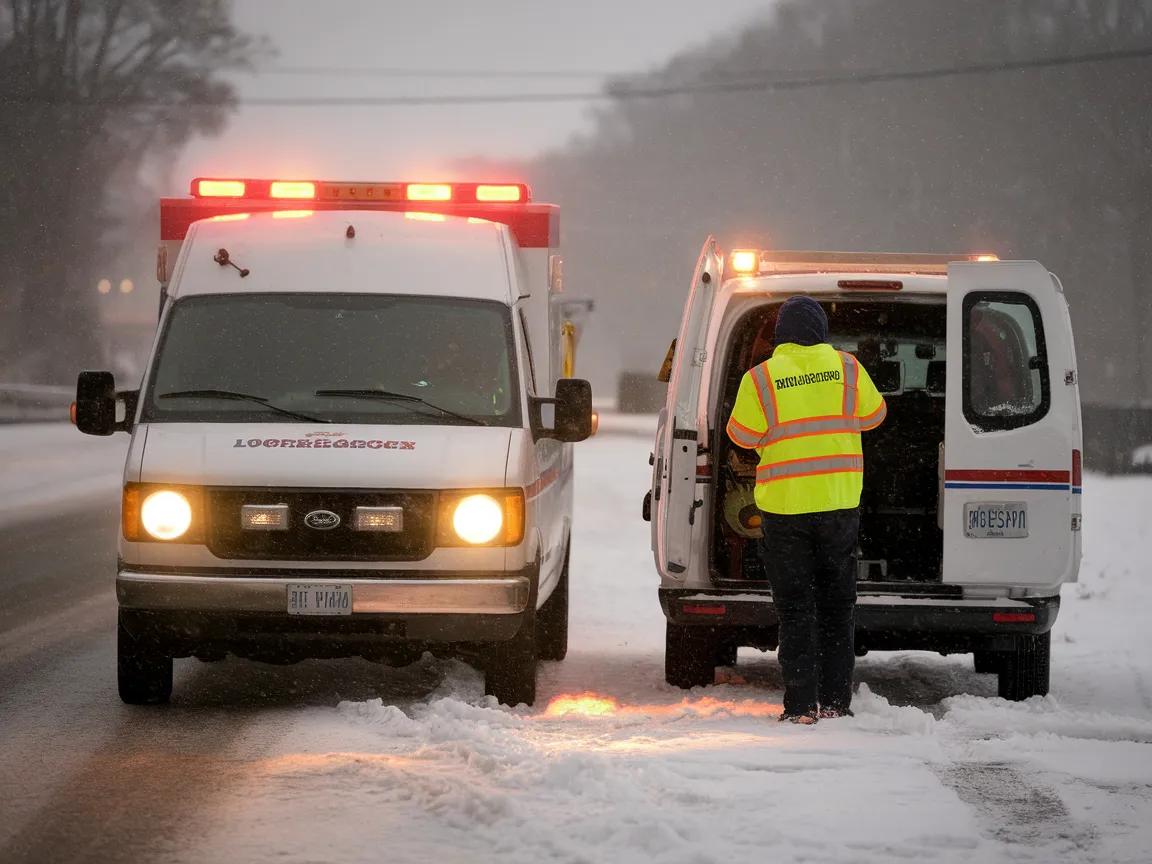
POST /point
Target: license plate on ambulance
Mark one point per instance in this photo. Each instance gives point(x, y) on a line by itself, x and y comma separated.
point(310, 599)
point(996, 519)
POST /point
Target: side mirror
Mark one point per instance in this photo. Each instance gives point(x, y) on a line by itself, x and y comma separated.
point(97, 404)
point(568, 416)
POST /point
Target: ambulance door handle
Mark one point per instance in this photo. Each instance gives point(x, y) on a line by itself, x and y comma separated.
point(696, 505)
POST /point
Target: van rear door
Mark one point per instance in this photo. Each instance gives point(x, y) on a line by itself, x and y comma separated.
point(674, 501)
point(1012, 426)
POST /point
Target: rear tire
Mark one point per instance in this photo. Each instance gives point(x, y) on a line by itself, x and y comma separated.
point(1025, 672)
point(690, 655)
point(552, 619)
point(510, 674)
point(986, 662)
point(143, 669)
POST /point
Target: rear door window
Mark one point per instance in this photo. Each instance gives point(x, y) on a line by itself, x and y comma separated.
point(1006, 382)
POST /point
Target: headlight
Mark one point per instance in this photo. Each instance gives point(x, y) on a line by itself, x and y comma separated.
point(478, 519)
point(475, 518)
point(166, 515)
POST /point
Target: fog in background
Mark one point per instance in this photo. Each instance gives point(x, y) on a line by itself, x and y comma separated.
point(896, 125)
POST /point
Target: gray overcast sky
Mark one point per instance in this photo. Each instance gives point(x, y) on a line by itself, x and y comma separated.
point(408, 142)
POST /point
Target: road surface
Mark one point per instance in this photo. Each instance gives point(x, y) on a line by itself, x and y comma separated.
point(351, 762)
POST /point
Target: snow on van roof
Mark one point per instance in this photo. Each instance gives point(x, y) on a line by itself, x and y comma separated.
point(366, 251)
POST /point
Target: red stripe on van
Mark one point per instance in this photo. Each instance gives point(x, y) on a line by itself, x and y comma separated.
point(1014, 476)
point(534, 226)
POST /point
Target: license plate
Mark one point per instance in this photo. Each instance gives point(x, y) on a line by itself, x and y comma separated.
point(309, 599)
point(996, 519)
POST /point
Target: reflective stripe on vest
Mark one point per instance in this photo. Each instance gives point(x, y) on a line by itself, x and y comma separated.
point(766, 391)
point(815, 426)
point(807, 467)
point(745, 437)
point(851, 378)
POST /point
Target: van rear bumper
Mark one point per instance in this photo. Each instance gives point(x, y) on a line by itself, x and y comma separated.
point(883, 622)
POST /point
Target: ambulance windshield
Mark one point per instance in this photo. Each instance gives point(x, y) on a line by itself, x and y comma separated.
point(345, 358)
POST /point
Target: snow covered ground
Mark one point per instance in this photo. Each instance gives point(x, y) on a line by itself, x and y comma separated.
point(351, 762)
point(615, 766)
point(46, 468)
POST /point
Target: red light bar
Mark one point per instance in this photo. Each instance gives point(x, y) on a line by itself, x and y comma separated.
point(292, 189)
point(429, 192)
point(505, 194)
point(1013, 617)
point(704, 610)
point(218, 188)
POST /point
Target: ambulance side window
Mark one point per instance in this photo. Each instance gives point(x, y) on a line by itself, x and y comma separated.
point(528, 348)
point(1006, 382)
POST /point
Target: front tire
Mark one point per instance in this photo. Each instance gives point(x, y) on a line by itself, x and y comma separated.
point(510, 674)
point(1025, 672)
point(143, 669)
point(690, 655)
point(552, 619)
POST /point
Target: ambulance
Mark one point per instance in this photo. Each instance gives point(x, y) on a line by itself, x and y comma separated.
point(970, 515)
point(353, 437)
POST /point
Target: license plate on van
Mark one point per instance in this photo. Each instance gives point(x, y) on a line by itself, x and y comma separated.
point(996, 519)
point(310, 599)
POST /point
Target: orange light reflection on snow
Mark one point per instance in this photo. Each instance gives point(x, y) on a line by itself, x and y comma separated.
point(595, 705)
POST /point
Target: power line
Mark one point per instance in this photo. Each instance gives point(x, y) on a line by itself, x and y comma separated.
point(751, 85)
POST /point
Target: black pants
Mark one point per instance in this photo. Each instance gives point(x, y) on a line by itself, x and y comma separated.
point(810, 561)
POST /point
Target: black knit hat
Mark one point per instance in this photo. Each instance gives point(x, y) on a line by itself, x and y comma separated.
point(801, 321)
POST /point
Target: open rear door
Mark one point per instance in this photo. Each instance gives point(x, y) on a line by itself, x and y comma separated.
point(675, 499)
point(1012, 427)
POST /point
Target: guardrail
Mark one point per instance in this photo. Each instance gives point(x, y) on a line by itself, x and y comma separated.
point(34, 403)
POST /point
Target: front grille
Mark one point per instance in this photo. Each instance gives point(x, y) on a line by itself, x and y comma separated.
point(227, 539)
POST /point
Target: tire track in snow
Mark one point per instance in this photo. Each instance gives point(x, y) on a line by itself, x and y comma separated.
point(1013, 808)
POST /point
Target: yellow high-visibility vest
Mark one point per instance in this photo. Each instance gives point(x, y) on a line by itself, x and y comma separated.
point(803, 411)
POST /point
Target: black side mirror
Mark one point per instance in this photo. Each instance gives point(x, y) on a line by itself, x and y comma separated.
point(96, 403)
point(568, 416)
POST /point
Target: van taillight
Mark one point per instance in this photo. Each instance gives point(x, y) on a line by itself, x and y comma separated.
point(1013, 617)
point(1077, 469)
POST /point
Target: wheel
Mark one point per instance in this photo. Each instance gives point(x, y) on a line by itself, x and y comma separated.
point(689, 656)
point(510, 674)
point(143, 670)
point(552, 619)
point(1025, 672)
point(987, 662)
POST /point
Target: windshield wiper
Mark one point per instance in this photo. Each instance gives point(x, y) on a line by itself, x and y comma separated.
point(243, 397)
point(390, 396)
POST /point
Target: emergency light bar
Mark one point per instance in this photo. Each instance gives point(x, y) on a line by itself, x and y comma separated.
point(760, 262)
point(323, 190)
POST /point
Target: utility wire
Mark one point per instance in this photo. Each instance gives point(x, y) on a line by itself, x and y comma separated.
point(752, 85)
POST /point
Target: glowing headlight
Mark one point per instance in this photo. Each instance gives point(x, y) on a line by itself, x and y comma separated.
point(478, 519)
point(166, 515)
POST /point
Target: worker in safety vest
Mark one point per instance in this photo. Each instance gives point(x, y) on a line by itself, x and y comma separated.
point(802, 411)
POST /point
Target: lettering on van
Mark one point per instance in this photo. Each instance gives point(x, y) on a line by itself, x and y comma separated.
point(811, 378)
point(324, 444)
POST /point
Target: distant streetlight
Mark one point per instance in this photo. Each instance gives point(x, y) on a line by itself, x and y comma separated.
point(104, 286)
point(126, 286)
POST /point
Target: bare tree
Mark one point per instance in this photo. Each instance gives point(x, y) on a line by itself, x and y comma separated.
point(89, 89)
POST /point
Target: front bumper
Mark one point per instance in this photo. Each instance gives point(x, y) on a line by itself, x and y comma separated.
point(197, 610)
point(883, 622)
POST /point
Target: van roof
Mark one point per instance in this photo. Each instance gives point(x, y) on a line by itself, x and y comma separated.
point(391, 252)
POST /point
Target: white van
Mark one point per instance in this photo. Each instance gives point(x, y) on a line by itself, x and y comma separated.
point(352, 437)
point(970, 516)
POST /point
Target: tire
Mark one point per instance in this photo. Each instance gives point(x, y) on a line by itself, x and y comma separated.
point(552, 619)
point(987, 662)
point(143, 670)
point(690, 655)
point(510, 674)
point(1025, 672)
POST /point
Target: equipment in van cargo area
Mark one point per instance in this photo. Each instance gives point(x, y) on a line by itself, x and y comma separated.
point(354, 433)
point(970, 512)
